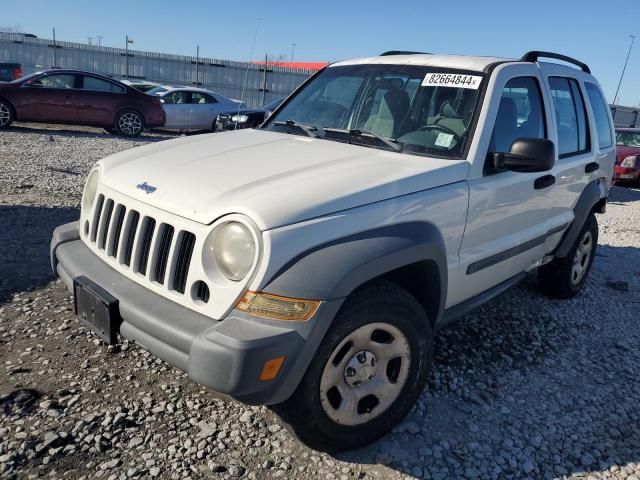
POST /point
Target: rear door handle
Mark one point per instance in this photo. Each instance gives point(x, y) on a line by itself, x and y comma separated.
point(544, 182)
point(591, 167)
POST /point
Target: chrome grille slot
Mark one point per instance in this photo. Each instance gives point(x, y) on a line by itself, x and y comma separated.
point(96, 218)
point(116, 231)
point(162, 253)
point(184, 251)
point(104, 224)
point(144, 249)
point(129, 236)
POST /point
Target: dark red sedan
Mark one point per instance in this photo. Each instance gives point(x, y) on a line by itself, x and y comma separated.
point(79, 98)
point(627, 167)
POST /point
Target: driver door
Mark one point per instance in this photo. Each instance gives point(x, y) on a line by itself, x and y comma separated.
point(49, 98)
point(508, 220)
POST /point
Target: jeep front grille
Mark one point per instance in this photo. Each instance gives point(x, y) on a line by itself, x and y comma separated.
point(136, 241)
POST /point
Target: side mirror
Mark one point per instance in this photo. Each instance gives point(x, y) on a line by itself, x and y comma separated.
point(527, 155)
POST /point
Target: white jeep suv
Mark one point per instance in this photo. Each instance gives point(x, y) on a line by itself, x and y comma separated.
point(307, 264)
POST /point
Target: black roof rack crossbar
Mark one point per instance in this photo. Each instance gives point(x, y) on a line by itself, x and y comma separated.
point(535, 55)
point(402, 52)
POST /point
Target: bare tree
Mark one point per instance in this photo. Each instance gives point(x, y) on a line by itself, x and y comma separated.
point(11, 28)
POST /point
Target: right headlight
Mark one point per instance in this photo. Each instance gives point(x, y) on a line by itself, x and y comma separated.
point(90, 190)
point(629, 162)
point(233, 249)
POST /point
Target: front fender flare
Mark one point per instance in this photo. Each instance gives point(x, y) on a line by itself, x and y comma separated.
point(335, 269)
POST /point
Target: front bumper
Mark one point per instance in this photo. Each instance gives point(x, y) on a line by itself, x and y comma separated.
point(226, 356)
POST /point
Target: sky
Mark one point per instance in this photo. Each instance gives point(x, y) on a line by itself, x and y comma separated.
point(594, 31)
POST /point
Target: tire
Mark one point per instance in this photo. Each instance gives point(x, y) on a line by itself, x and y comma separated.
point(383, 317)
point(6, 114)
point(564, 277)
point(129, 123)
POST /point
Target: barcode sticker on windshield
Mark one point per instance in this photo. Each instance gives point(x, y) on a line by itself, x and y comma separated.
point(451, 80)
point(444, 140)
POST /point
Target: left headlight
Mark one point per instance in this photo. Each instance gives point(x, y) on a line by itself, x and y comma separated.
point(90, 190)
point(234, 250)
point(240, 118)
point(629, 162)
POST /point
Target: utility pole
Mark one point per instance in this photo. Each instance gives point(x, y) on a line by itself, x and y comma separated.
point(89, 39)
point(55, 50)
point(633, 39)
point(264, 78)
point(293, 47)
point(197, 62)
point(99, 40)
point(126, 55)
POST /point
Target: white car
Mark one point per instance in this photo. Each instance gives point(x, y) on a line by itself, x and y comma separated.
point(307, 264)
point(189, 108)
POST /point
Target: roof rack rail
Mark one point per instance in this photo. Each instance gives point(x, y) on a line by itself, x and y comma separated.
point(402, 52)
point(535, 55)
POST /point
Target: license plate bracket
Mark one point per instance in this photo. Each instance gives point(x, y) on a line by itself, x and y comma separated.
point(97, 308)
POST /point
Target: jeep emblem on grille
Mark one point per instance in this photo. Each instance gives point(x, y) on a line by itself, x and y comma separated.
point(145, 187)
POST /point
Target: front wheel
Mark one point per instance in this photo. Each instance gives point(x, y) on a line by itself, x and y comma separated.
point(129, 123)
point(6, 114)
point(565, 277)
point(367, 373)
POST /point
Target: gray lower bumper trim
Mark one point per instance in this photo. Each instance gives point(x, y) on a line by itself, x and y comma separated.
point(226, 356)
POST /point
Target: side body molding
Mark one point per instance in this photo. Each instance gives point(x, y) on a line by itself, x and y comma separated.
point(589, 197)
point(335, 269)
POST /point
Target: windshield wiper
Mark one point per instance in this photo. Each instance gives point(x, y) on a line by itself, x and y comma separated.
point(310, 130)
point(354, 132)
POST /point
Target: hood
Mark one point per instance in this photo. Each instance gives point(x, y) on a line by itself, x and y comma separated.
point(274, 178)
point(242, 111)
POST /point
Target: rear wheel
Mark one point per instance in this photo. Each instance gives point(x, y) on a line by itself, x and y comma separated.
point(366, 374)
point(6, 114)
point(565, 277)
point(129, 123)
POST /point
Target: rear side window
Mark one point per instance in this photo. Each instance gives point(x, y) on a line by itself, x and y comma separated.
point(601, 114)
point(520, 114)
point(99, 85)
point(571, 117)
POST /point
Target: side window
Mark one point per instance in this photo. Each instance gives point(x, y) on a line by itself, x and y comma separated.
point(99, 85)
point(520, 114)
point(177, 97)
point(197, 97)
point(599, 107)
point(571, 118)
point(60, 80)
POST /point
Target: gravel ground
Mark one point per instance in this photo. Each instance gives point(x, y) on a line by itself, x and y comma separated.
point(525, 387)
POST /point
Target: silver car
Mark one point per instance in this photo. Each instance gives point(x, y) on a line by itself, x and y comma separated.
point(189, 108)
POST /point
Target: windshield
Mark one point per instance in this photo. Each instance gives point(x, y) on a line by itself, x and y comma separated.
point(628, 139)
point(422, 109)
point(156, 90)
point(26, 78)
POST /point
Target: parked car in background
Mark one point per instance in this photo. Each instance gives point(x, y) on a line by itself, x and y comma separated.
point(246, 118)
point(142, 85)
point(79, 98)
point(627, 167)
point(188, 108)
point(10, 71)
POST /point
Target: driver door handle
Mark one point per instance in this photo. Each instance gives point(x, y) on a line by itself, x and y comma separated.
point(544, 182)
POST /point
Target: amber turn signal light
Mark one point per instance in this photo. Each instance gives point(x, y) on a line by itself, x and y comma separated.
point(271, 368)
point(279, 308)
